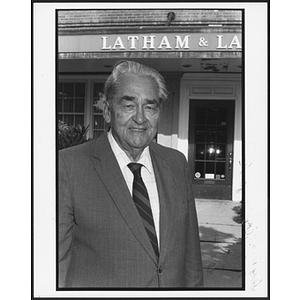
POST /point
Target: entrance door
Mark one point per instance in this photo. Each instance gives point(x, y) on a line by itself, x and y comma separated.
point(211, 148)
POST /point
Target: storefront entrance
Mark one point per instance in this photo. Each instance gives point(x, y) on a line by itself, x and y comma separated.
point(210, 150)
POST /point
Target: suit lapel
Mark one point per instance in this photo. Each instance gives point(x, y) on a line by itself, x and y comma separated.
point(110, 174)
point(163, 175)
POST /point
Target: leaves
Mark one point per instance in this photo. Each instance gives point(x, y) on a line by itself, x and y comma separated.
point(69, 136)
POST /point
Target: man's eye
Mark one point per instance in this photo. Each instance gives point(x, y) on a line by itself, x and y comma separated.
point(151, 107)
point(128, 106)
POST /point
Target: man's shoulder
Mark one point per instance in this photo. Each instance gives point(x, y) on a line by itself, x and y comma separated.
point(81, 149)
point(167, 152)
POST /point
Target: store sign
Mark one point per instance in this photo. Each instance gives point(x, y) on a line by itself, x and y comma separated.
point(151, 42)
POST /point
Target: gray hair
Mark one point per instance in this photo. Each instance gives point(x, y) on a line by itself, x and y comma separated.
point(134, 68)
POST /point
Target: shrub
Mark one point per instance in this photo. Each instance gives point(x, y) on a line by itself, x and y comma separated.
point(69, 136)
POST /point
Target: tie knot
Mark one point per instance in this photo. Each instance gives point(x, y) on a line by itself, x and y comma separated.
point(135, 168)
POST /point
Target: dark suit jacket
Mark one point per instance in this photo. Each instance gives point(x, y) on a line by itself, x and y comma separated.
point(102, 242)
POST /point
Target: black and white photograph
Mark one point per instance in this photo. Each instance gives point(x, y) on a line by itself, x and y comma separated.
point(155, 126)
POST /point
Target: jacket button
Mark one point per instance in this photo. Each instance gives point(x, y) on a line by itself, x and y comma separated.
point(159, 269)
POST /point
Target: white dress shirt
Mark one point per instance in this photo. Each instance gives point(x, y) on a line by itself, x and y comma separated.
point(147, 173)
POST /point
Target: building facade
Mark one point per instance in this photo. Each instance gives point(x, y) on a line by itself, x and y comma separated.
point(199, 53)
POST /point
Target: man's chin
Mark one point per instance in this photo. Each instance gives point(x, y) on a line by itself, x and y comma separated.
point(139, 146)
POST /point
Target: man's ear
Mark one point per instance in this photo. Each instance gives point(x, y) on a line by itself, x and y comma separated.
point(106, 112)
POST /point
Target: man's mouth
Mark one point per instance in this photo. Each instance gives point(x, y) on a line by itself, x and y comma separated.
point(138, 129)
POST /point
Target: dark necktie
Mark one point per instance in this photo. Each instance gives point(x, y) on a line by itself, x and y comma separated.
point(141, 199)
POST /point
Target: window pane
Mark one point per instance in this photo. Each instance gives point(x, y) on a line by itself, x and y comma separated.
point(80, 89)
point(200, 116)
point(98, 88)
point(211, 134)
point(220, 170)
point(69, 90)
point(221, 134)
point(200, 134)
point(220, 152)
point(60, 89)
point(210, 168)
point(98, 122)
point(200, 151)
point(68, 119)
point(210, 152)
point(79, 105)
point(212, 116)
point(59, 104)
point(221, 115)
point(68, 105)
point(79, 120)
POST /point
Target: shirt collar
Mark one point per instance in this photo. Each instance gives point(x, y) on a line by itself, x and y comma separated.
point(124, 160)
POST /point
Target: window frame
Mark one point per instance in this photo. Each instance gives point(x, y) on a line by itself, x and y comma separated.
point(89, 80)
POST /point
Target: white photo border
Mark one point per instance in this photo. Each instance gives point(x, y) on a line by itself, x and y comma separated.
point(256, 152)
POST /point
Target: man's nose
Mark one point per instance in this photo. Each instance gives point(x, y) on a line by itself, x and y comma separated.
point(139, 116)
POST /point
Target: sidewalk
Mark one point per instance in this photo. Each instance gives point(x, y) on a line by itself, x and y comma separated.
point(221, 238)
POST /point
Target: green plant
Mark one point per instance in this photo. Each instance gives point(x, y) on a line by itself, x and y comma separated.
point(69, 136)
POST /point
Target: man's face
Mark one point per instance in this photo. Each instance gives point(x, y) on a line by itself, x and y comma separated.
point(134, 115)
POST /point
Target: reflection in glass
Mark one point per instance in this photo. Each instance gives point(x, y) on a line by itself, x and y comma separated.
point(220, 152)
point(210, 152)
point(200, 151)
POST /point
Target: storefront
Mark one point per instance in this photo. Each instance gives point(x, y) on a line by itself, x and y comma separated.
point(201, 62)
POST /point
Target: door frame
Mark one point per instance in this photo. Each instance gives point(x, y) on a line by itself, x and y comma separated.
point(213, 87)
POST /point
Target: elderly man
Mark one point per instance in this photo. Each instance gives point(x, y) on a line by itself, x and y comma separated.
point(127, 214)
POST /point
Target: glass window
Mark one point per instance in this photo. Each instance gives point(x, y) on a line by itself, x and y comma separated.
point(200, 151)
point(71, 102)
point(210, 141)
point(210, 152)
point(200, 133)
